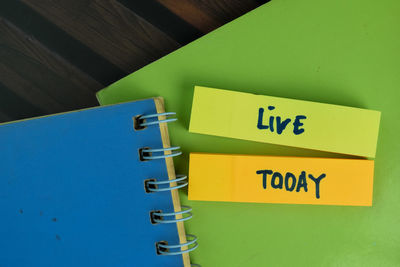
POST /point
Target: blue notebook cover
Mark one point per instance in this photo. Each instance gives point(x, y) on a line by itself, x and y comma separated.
point(72, 191)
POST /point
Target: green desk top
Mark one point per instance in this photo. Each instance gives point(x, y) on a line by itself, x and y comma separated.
point(338, 52)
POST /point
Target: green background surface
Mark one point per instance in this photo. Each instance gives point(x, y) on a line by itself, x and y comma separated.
point(338, 52)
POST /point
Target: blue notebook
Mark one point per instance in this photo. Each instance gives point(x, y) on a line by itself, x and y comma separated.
point(94, 187)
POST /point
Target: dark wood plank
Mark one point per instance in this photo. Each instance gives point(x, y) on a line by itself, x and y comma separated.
point(4, 117)
point(163, 19)
point(13, 107)
point(39, 76)
point(28, 45)
point(207, 15)
point(58, 41)
point(27, 90)
point(110, 29)
point(227, 10)
point(54, 54)
point(191, 13)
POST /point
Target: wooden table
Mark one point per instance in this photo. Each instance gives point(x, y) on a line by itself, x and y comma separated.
point(55, 54)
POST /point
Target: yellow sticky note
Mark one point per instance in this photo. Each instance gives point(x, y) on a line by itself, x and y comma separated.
point(285, 121)
point(272, 179)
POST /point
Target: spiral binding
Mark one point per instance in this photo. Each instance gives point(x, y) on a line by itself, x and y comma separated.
point(147, 153)
point(170, 250)
point(155, 186)
point(146, 122)
point(158, 216)
point(152, 185)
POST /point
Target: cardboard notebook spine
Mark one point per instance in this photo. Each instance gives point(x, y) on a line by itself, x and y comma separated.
point(187, 242)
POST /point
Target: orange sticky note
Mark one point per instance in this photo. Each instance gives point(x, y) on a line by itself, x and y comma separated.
point(273, 179)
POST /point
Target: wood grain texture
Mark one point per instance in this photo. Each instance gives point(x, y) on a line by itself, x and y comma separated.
point(227, 10)
point(28, 45)
point(58, 41)
point(192, 14)
point(163, 19)
point(207, 15)
point(109, 28)
point(14, 107)
point(4, 117)
point(41, 77)
point(55, 54)
point(28, 91)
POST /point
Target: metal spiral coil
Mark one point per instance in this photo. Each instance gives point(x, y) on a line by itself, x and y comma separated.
point(152, 119)
point(169, 250)
point(158, 153)
point(160, 216)
point(155, 186)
